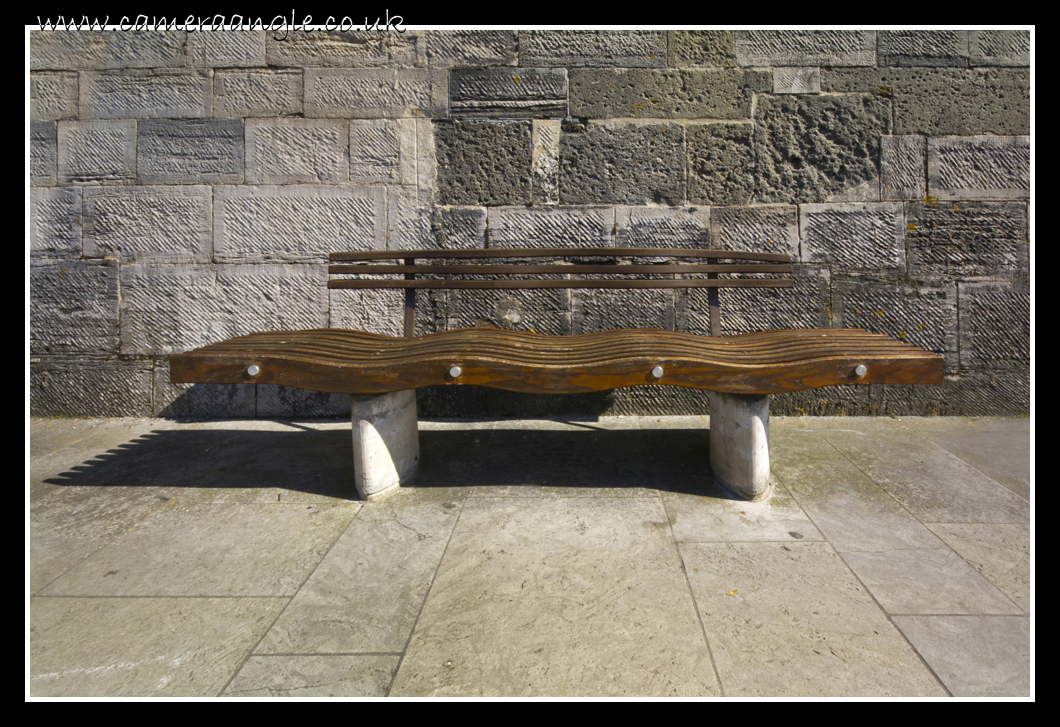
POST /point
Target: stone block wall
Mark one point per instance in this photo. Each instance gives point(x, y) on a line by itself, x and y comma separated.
point(188, 186)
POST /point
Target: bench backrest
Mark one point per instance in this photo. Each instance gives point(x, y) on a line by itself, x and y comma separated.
point(602, 267)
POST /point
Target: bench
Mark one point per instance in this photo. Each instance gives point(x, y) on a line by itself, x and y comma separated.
point(382, 372)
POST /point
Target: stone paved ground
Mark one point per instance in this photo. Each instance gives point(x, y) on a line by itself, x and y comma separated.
point(531, 558)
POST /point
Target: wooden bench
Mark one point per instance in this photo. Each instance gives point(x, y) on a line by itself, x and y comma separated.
point(382, 372)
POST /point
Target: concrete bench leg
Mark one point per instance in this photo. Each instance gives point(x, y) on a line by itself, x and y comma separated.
point(739, 443)
point(386, 441)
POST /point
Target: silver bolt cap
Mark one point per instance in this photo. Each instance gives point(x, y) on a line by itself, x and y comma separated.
point(657, 372)
point(455, 372)
point(861, 370)
point(253, 370)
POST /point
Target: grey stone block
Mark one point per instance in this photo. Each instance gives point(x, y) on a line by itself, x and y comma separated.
point(79, 387)
point(375, 311)
point(374, 93)
point(508, 92)
point(287, 401)
point(797, 80)
point(73, 308)
point(944, 100)
point(483, 162)
point(979, 167)
point(921, 314)
point(995, 393)
point(105, 49)
point(293, 151)
point(296, 224)
point(101, 152)
point(569, 48)
point(199, 400)
point(226, 49)
point(544, 167)
point(607, 309)
point(621, 163)
point(551, 226)
point(806, 47)
point(999, 47)
point(923, 48)
point(43, 153)
point(192, 151)
point(662, 227)
point(666, 94)
point(964, 239)
point(383, 151)
point(148, 224)
point(545, 311)
point(720, 163)
point(819, 148)
point(55, 223)
point(336, 49)
point(412, 226)
point(700, 48)
point(903, 167)
point(158, 93)
point(53, 95)
point(866, 237)
point(921, 400)
point(446, 48)
point(168, 309)
point(257, 93)
point(995, 321)
point(772, 228)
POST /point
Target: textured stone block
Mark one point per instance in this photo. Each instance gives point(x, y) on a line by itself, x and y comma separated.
point(97, 151)
point(966, 239)
point(797, 80)
point(294, 151)
point(483, 162)
point(546, 311)
point(944, 100)
point(199, 400)
point(43, 153)
point(53, 95)
point(999, 47)
point(902, 167)
point(867, 237)
point(662, 227)
point(73, 308)
point(296, 224)
point(257, 93)
point(412, 226)
point(806, 47)
point(383, 151)
point(375, 93)
point(773, 228)
point(226, 49)
point(148, 224)
point(979, 167)
point(375, 311)
point(78, 387)
point(194, 151)
point(446, 48)
point(923, 315)
point(508, 92)
point(606, 309)
point(995, 393)
point(819, 148)
point(923, 48)
point(55, 223)
point(700, 48)
point(569, 48)
point(336, 49)
point(544, 166)
point(830, 401)
point(720, 163)
point(158, 93)
point(995, 321)
point(551, 226)
point(168, 309)
point(665, 94)
point(620, 163)
point(105, 49)
point(288, 401)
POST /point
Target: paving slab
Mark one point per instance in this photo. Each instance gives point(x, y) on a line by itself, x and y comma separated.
point(997, 447)
point(974, 656)
point(558, 597)
point(789, 620)
point(365, 595)
point(314, 676)
point(718, 516)
point(211, 549)
point(1000, 552)
point(141, 647)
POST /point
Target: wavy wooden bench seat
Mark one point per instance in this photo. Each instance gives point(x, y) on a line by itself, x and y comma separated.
point(740, 371)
